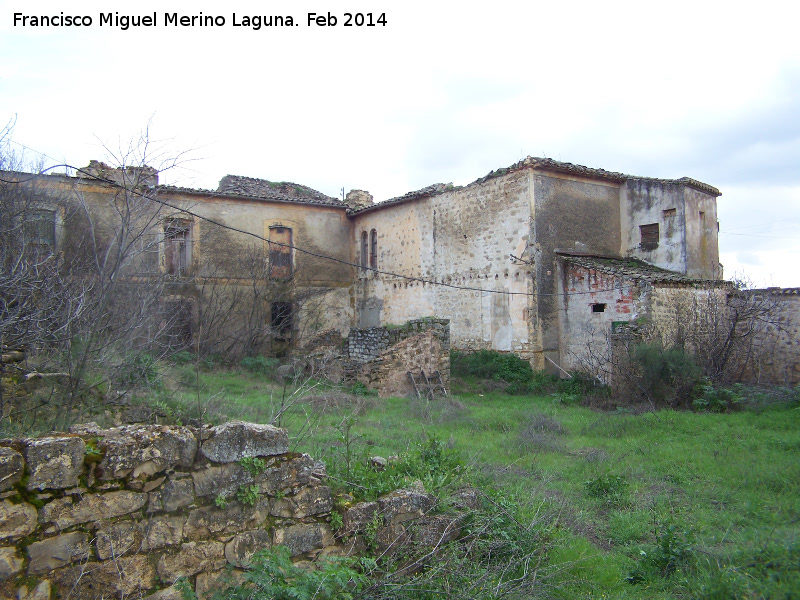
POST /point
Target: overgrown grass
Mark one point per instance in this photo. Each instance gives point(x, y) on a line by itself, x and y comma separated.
point(664, 504)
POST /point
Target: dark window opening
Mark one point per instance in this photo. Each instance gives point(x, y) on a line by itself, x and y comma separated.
point(364, 249)
point(178, 324)
point(670, 212)
point(281, 320)
point(649, 234)
point(598, 308)
point(177, 246)
point(40, 228)
point(373, 250)
point(280, 253)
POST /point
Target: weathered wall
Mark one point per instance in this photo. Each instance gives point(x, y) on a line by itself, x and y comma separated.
point(777, 345)
point(382, 357)
point(569, 214)
point(122, 512)
point(586, 335)
point(687, 243)
point(462, 237)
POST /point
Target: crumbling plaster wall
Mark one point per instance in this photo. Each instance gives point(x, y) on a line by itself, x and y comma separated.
point(585, 334)
point(569, 214)
point(687, 244)
point(461, 237)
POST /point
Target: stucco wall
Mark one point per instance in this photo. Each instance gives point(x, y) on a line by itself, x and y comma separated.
point(569, 214)
point(463, 238)
point(687, 244)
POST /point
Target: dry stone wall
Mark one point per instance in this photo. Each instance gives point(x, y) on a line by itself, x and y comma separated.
point(381, 357)
point(111, 513)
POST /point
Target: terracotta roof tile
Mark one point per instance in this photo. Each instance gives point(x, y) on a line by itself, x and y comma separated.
point(629, 267)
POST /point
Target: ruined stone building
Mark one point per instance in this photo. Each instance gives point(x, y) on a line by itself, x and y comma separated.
point(544, 258)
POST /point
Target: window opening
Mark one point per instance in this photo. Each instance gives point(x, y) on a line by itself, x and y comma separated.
point(599, 307)
point(670, 212)
point(281, 320)
point(280, 253)
point(649, 236)
point(40, 228)
point(373, 250)
point(177, 246)
point(364, 249)
point(178, 324)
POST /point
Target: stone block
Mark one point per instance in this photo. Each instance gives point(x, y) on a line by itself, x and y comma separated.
point(56, 552)
point(143, 450)
point(209, 582)
point(54, 462)
point(242, 547)
point(17, 520)
point(11, 467)
point(10, 563)
point(169, 593)
point(284, 475)
point(117, 540)
point(126, 577)
point(92, 507)
point(224, 523)
point(177, 494)
point(405, 505)
point(223, 479)
point(436, 530)
point(312, 501)
point(159, 532)
point(303, 537)
point(192, 558)
point(40, 591)
point(359, 516)
point(235, 440)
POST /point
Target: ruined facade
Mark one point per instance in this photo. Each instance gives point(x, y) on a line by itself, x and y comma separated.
point(498, 258)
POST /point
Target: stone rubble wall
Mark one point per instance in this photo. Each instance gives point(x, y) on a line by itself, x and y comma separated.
point(381, 357)
point(128, 511)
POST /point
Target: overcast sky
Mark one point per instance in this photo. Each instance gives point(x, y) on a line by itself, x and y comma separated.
point(444, 92)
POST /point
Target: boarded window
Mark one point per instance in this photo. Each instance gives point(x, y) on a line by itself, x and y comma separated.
point(373, 249)
point(364, 248)
point(649, 235)
point(177, 246)
point(40, 228)
point(670, 212)
point(281, 320)
point(280, 253)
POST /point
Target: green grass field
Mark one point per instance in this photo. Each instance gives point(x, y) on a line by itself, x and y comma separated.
point(662, 504)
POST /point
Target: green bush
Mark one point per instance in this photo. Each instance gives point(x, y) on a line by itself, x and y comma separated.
point(716, 399)
point(260, 365)
point(273, 575)
point(673, 552)
point(668, 375)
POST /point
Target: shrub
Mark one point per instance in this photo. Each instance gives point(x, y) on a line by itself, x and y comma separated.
point(259, 365)
point(716, 399)
point(273, 575)
point(668, 375)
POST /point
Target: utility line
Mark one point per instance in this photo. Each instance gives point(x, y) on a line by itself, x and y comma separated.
point(297, 248)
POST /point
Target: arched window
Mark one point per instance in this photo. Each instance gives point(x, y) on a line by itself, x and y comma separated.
point(373, 249)
point(364, 249)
